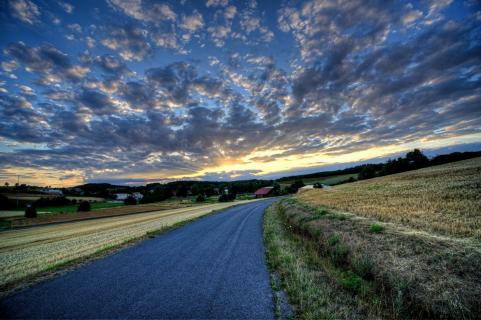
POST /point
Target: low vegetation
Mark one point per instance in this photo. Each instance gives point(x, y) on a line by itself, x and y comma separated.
point(355, 267)
point(442, 199)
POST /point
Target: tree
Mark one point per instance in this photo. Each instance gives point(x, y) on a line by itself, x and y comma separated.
point(6, 184)
point(5, 204)
point(30, 212)
point(295, 186)
point(200, 198)
point(195, 190)
point(417, 159)
point(83, 206)
point(367, 172)
point(227, 197)
point(130, 200)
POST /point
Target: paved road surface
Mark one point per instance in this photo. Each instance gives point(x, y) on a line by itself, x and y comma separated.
point(211, 268)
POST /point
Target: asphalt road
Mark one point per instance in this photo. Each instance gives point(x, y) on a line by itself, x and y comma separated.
point(211, 268)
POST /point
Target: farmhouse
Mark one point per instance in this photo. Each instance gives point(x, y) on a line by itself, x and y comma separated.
point(263, 192)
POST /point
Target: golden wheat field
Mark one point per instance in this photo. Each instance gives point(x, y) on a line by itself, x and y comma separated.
point(443, 199)
point(26, 252)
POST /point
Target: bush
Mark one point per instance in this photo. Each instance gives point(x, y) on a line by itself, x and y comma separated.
point(200, 198)
point(318, 185)
point(83, 206)
point(129, 201)
point(30, 212)
point(227, 197)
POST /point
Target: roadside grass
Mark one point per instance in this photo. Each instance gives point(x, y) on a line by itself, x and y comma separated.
point(444, 199)
point(316, 288)
point(390, 270)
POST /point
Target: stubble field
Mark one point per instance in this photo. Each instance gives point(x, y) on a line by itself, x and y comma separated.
point(442, 199)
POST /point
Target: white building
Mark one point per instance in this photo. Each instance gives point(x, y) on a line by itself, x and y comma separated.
point(122, 196)
point(55, 192)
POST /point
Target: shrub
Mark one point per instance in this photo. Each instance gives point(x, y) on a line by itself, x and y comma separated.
point(129, 201)
point(376, 228)
point(83, 206)
point(200, 198)
point(30, 212)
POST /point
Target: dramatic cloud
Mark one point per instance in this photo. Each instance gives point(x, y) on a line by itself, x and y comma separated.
point(229, 90)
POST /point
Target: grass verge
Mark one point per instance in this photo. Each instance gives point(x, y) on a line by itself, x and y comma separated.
point(314, 285)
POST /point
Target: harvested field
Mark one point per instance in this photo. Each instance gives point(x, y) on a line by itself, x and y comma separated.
point(443, 199)
point(99, 213)
point(26, 252)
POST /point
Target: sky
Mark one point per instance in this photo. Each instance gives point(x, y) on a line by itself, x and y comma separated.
point(140, 91)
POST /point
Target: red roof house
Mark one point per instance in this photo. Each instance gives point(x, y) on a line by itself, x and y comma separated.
point(263, 192)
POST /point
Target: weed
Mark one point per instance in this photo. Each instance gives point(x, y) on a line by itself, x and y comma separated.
point(333, 240)
point(352, 282)
point(322, 212)
point(376, 228)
